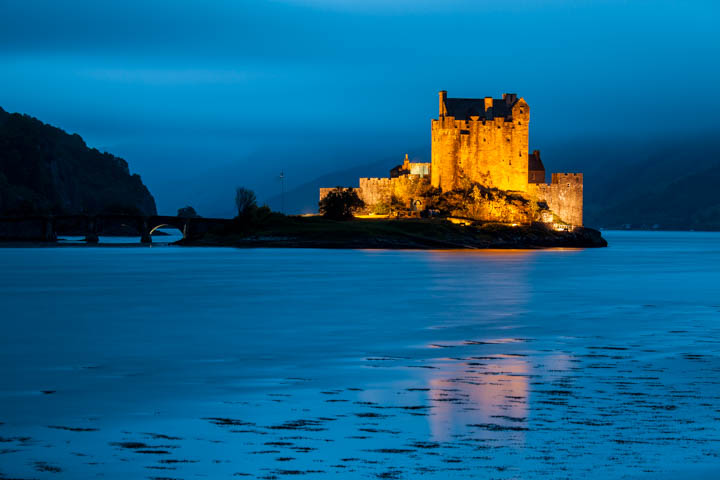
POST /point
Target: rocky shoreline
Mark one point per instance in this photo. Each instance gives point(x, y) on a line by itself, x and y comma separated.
point(401, 234)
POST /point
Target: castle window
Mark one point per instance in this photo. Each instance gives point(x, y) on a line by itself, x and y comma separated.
point(519, 123)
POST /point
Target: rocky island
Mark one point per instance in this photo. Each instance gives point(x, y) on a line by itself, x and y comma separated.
point(437, 234)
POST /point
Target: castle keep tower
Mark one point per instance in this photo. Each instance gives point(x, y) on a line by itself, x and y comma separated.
point(484, 140)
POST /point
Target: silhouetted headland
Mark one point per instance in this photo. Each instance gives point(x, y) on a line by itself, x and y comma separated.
point(46, 171)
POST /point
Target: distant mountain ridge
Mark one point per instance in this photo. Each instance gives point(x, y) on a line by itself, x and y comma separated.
point(668, 184)
point(305, 197)
point(44, 170)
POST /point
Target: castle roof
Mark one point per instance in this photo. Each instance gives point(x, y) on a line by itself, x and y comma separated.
point(464, 108)
point(534, 161)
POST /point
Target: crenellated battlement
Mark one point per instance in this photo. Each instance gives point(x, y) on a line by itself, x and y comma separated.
point(571, 178)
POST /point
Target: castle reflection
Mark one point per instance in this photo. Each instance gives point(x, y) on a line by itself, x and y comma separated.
point(482, 392)
point(485, 398)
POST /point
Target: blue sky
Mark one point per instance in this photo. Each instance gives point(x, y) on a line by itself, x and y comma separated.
point(200, 96)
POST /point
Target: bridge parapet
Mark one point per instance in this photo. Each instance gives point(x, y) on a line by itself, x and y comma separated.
point(47, 228)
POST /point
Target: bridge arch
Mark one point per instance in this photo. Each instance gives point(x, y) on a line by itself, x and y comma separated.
point(180, 227)
point(164, 226)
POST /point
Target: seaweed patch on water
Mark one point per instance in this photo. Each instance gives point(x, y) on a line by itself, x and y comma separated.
point(143, 448)
point(307, 425)
point(160, 436)
point(46, 467)
point(228, 422)
point(73, 429)
point(494, 427)
point(371, 415)
point(391, 450)
point(389, 474)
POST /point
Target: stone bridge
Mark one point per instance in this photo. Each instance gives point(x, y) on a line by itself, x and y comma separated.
point(47, 228)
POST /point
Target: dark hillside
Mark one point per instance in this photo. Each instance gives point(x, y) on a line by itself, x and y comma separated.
point(45, 170)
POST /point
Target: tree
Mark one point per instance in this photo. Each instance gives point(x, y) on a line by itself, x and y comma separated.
point(245, 201)
point(340, 203)
point(187, 212)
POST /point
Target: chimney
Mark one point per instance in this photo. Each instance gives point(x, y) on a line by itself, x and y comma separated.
point(443, 108)
point(509, 98)
point(488, 103)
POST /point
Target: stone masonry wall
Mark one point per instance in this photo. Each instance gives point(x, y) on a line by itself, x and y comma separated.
point(375, 191)
point(403, 189)
point(564, 196)
point(382, 191)
point(491, 152)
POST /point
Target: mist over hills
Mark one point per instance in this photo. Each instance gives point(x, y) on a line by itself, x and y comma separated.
point(304, 198)
point(668, 183)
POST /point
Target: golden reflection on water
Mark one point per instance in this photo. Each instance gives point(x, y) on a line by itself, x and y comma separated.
point(495, 393)
point(496, 254)
point(486, 385)
point(488, 397)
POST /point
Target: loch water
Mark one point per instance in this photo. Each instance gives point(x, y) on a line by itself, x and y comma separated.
point(168, 362)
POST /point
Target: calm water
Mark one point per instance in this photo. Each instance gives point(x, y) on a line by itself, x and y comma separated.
point(170, 362)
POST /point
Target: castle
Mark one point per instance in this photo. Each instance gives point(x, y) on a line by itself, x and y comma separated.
point(481, 142)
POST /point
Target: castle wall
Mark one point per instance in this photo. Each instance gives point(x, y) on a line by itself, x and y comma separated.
point(564, 196)
point(403, 189)
point(491, 152)
point(384, 191)
point(419, 168)
point(375, 191)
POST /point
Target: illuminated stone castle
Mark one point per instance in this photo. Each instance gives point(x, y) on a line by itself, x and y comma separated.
point(482, 141)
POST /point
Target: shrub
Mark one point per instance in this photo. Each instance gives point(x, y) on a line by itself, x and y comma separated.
point(187, 212)
point(341, 203)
